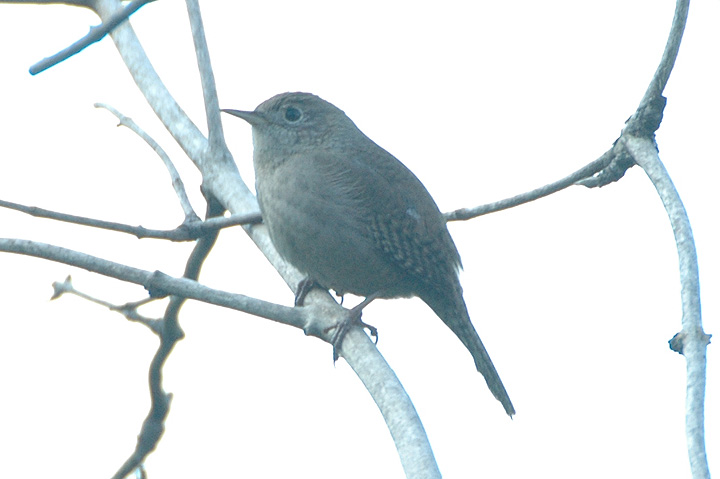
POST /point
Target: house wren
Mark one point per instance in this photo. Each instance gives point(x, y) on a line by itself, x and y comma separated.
point(353, 218)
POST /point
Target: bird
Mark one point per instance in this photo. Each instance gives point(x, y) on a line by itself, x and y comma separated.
point(353, 218)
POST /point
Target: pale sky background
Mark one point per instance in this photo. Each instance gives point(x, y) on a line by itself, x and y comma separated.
point(574, 295)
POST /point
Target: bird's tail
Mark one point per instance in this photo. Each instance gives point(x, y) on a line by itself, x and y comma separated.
point(453, 312)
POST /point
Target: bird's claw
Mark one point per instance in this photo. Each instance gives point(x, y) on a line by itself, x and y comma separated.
point(342, 328)
point(303, 288)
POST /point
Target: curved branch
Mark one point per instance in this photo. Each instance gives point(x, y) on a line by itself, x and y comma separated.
point(637, 145)
point(611, 166)
point(672, 48)
point(694, 339)
point(177, 182)
point(638, 138)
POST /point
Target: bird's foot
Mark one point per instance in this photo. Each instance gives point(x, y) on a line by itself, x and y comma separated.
point(303, 289)
point(354, 319)
point(340, 295)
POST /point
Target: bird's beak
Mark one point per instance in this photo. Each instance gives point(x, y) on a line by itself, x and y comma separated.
point(252, 117)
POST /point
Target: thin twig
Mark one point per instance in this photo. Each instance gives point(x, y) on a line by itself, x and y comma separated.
point(188, 231)
point(174, 118)
point(75, 3)
point(177, 182)
point(584, 172)
point(96, 34)
point(157, 283)
point(129, 310)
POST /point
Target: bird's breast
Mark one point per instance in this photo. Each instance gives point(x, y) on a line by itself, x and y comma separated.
point(323, 227)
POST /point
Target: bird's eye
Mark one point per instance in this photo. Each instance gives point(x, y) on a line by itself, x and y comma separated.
point(292, 114)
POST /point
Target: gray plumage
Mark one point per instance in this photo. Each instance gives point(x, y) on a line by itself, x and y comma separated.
point(353, 218)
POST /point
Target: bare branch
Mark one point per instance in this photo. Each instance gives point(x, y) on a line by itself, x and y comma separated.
point(129, 310)
point(177, 182)
point(584, 172)
point(72, 3)
point(613, 164)
point(672, 48)
point(315, 319)
point(648, 115)
point(96, 34)
point(638, 138)
point(694, 339)
point(637, 145)
point(618, 163)
point(207, 78)
point(188, 231)
point(157, 283)
point(183, 130)
point(154, 424)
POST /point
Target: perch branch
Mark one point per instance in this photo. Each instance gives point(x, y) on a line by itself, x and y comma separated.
point(157, 283)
